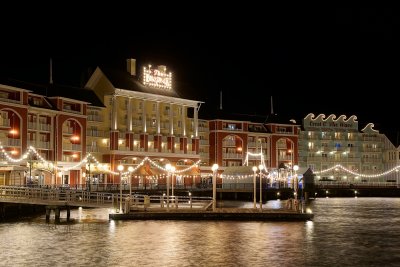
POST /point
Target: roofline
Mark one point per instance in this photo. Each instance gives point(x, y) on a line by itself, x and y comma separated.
point(70, 99)
point(14, 88)
point(161, 98)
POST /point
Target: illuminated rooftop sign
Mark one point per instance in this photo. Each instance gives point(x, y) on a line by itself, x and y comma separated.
point(330, 123)
point(157, 78)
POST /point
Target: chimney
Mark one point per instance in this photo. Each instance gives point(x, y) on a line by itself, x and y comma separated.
point(131, 66)
point(272, 106)
point(220, 100)
point(51, 71)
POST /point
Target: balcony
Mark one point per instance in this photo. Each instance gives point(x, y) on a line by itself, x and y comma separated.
point(204, 155)
point(43, 145)
point(4, 122)
point(45, 127)
point(232, 156)
point(204, 142)
point(72, 147)
point(229, 143)
point(10, 142)
point(96, 133)
point(95, 118)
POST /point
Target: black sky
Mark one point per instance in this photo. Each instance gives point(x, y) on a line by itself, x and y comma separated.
point(331, 61)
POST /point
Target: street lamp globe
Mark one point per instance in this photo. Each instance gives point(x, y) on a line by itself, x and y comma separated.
point(295, 168)
point(260, 167)
point(214, 167)
point(120, 168)
point(168, 166)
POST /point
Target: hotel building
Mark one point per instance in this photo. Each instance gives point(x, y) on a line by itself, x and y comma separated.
point(145, 116)
point(327, 141)
point(50, 118)
point(143, 121)
point(253, 141)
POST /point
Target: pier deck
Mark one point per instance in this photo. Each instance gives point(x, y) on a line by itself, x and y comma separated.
point(235, 214)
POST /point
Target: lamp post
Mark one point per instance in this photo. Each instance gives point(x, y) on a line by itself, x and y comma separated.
point(89, 173)
point(261, 167)
point(254, 185)
point(168, 168)
point(295, 180)
point(130, 169)
point(214, 169)
point(84, 177)
point(60, 173)
point(120, 169)
point(295, 186)
point(30, 167)
point(172, 179)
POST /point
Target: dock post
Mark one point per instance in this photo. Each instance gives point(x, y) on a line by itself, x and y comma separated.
point(48, 211)
point(68, 213)
point(57, 215)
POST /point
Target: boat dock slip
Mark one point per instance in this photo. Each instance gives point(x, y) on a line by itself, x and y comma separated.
point(234, 214)
point(143, 207)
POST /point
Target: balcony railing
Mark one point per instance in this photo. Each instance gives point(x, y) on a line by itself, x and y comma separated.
point(73, 147)
point(96, 118)
point(10, 142)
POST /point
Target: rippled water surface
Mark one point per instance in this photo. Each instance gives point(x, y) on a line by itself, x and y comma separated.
point(344, 232)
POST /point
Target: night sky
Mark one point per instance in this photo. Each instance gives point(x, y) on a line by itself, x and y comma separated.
point(334, 61)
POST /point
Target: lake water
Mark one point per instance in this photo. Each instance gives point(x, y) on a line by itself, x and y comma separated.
point(344, 232)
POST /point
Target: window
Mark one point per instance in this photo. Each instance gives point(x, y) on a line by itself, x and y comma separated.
point(231, 126)
point(310, 145)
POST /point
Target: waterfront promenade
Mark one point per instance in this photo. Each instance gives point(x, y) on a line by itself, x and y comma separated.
point(138, 207)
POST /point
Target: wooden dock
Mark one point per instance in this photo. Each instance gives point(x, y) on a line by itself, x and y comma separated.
point(234, 214)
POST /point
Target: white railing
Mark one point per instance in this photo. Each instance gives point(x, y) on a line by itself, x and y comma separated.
point(59, 196)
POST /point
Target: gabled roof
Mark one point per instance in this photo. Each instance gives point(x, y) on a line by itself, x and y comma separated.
point(55, 90)
point(123, 80)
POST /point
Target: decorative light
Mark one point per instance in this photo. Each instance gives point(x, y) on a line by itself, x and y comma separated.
point(157, 78)
point(75, 138)
point(120, 168)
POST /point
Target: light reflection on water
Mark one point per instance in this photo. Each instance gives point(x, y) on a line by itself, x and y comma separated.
point(344, 232)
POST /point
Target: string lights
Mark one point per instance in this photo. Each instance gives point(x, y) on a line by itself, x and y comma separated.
point(338, 166)
point(32, 150)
